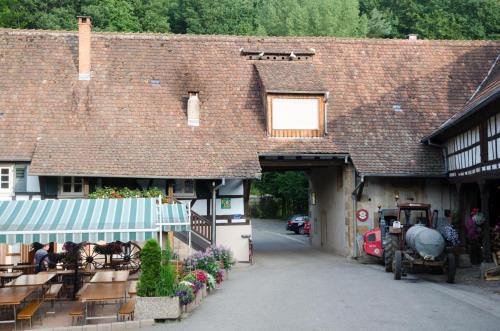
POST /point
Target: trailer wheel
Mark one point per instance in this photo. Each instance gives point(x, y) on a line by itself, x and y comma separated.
point(452, 268)
point(398, 265)
point(390, 245)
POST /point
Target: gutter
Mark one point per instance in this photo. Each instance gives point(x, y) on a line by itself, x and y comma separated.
point(214, 209)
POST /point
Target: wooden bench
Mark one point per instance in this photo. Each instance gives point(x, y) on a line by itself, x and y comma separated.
point(132, 289)
point(29, 311)
point(51, 295)
point(127, 310)
point(80, 291)
point(76, 312)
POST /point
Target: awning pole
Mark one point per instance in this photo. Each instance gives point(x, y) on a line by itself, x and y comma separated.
point(160, 221)
point(190, 225)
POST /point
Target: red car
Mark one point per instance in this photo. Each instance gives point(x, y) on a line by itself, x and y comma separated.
point(299, 224)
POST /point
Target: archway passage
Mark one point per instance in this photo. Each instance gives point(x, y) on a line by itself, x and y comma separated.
point(302, 198)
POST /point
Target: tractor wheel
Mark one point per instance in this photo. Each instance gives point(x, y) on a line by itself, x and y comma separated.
point(390, 245)
point(398, 265)
point(452, 268)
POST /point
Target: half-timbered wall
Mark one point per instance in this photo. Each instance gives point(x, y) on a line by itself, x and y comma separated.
point(464, 152)
point(476, 150)
point(493, 129)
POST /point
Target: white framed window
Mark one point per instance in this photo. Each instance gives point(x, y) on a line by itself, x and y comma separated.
point(6, 179)
point(295, 114)
point(71, 186)
point(184, 188)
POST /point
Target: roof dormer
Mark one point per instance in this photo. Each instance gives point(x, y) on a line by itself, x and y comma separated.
point(294, 99)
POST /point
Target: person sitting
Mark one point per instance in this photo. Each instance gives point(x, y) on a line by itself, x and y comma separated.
point(41, 259)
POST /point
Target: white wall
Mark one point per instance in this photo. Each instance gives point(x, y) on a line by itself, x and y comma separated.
point(382, 191)
point(328, 186)
point(232, 187)
point(230, 236)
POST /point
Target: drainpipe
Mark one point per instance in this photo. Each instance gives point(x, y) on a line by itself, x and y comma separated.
point(354, 196)
point(214, 209)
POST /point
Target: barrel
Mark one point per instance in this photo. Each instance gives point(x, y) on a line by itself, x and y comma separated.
point(428, 243)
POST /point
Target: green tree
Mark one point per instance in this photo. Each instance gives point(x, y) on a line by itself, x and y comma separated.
point(378, 25)
point(150, 269)
point(290, 188)
point(234, 17)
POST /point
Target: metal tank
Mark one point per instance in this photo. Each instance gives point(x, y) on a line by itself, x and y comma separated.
point(428, 243)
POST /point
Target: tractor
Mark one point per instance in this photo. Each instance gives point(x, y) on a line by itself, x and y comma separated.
point(413, 242)
point(410, 241)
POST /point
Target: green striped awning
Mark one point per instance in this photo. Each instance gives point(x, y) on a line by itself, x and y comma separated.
point(86, 220)
point(175, 217)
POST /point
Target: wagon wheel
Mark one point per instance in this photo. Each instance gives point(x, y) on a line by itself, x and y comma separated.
point(91, 259)
point(128, 258)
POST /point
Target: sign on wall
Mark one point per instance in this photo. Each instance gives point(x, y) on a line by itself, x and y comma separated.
point(362, 215)
point(225, 203)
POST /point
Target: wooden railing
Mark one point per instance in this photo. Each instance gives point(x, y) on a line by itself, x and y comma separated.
point(201, 226)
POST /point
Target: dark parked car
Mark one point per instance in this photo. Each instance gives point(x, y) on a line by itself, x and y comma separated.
point(298, 224)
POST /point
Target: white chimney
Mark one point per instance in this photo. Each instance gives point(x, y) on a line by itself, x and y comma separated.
point(412, 36)
point(83, 47)
point(193, 109)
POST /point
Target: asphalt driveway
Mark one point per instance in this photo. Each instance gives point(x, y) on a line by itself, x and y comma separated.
point(293, 286)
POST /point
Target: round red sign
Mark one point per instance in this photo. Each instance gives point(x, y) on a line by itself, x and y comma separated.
point(362, 215)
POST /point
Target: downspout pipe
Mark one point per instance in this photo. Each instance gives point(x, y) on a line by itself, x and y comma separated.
point(214, 209)
point(355, 200)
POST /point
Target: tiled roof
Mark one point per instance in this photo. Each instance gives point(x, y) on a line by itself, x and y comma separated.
point(120, 124)
point(289, 77)
point(489, 88)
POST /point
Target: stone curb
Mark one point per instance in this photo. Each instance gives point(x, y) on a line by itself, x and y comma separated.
point(115, 326)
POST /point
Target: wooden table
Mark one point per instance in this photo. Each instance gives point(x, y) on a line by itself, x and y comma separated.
point(13, 296)
point(98, 292)
point(110, 276)
point(31, 280)
point(8, 276)
point(23, 267)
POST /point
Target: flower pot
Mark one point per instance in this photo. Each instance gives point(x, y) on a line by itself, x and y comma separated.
point(157, 308)
point(198, 297)
point(204, 291)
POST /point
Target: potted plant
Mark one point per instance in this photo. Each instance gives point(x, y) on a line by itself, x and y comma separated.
point(156, 287)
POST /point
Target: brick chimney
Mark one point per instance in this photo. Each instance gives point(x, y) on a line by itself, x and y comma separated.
point(83, 47)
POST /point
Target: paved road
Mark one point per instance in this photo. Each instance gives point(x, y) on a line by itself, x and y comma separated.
point(292, 286)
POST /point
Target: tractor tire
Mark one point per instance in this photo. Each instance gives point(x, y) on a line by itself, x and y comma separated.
point(390, 245)
point(398, 265)
point(451, 268)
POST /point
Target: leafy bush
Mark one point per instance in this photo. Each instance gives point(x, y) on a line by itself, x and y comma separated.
point(185, 292)
point(166, 282)
point(150, 269)
point(125, 192)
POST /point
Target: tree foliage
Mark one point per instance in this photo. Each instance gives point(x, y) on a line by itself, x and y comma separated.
point(150, 269)
point(289, 188)
point(431, 19)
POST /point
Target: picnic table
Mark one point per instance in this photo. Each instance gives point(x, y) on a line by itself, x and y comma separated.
point(100, 292)
point(14, 296)
point(39, 279)
point(8, 276)
point(17, 266)
point(110, 276)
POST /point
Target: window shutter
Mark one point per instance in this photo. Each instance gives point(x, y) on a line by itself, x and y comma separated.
point(51, 185)
point(20, 179)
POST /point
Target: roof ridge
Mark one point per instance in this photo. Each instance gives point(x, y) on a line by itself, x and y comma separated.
point(214, 37)
point(485, 78)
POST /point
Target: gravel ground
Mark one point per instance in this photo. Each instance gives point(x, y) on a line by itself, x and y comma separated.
point(293, 286)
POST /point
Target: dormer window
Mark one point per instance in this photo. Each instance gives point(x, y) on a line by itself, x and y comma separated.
point(295, 116)
point(294, 99)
